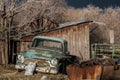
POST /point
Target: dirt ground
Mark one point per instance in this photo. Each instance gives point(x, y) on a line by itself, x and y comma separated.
point(8, 72)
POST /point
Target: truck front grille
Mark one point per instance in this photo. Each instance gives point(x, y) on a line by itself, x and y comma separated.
point(39, 62)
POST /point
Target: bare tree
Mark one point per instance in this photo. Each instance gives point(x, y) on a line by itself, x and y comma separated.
point(51, 9)
point(105, 20)
point(6, 19)
point(28, 11)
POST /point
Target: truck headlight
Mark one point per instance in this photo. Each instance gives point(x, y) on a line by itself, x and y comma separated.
point(54, 62)
point(21, 58)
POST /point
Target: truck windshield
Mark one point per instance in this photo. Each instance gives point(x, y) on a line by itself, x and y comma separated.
point(47, 44)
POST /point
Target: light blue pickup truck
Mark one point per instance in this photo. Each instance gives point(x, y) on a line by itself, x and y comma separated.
point(50, 54)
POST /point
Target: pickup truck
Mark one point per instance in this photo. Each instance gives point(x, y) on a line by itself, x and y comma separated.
point(50, 54)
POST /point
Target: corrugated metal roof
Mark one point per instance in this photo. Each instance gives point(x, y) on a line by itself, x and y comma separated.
point(73, 23)
point(68, 24)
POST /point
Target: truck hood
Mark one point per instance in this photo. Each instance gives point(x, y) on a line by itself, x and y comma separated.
point(42, 54)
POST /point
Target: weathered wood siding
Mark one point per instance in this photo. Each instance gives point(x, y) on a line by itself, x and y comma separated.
point(24, 45)
point(3, 51)
point(77, 37)
point(9, 57)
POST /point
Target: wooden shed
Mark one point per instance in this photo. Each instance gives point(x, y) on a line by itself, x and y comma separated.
point(75, 33)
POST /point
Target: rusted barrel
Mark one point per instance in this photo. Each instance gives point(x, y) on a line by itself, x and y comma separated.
point(109, 73)
point(76, 72)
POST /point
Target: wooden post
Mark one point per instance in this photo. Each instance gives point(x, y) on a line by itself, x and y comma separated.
point(111, 36)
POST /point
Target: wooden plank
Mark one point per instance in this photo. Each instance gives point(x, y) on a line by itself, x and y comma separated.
point(111, 36)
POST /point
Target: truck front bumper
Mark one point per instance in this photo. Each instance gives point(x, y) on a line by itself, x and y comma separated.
point(44, 69)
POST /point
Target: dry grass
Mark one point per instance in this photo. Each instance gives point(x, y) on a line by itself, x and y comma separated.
point(8, 72)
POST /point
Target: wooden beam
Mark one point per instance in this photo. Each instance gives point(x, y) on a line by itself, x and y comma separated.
point(111, 36)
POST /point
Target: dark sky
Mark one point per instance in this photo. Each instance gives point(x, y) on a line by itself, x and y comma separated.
point(98, 3)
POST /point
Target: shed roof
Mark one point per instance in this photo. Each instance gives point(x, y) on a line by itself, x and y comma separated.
point(73, 23)
point(69, 24)
point(64, 25)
